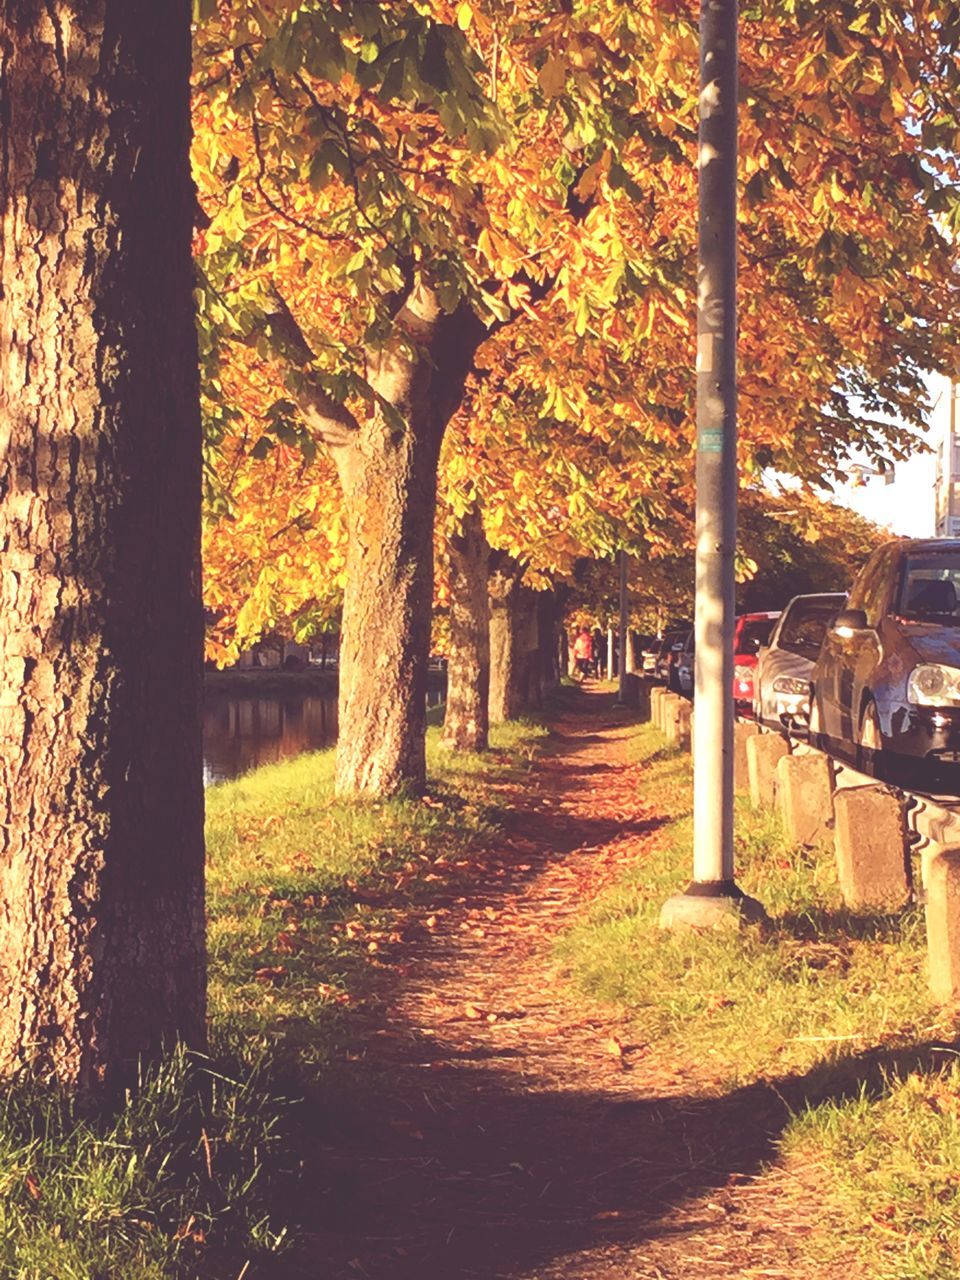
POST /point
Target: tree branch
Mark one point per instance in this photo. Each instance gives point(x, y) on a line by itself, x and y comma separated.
point(278, 209)
point(326, 416)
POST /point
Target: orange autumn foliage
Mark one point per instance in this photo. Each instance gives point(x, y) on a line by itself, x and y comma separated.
point(563, 210)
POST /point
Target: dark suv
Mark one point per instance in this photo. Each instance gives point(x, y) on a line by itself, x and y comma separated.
point(886, 684)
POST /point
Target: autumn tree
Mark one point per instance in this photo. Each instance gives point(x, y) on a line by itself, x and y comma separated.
point(386, 238)
point(836, 328)
point(405, 337)
point(466, 722)
point(790, 541)
point(795, 542)
point(101, 879)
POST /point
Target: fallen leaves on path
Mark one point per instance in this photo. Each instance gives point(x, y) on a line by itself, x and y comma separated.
point(510, 1130)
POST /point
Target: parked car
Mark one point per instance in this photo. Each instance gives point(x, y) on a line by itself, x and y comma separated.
point(667, 655)
point(648, 657)
point(752, 630)
point(886, 685)
point(684, 665)
point(781, 681)
point(641, 645)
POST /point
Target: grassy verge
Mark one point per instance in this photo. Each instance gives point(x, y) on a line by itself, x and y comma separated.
point(826, 1004)
point(309, 895)
point(307, 898)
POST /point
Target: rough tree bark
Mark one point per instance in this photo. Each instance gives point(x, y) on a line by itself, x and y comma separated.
point(101, 799)
point(550, 635)
point(514, 643)
point(466, 723)
point(387, 466)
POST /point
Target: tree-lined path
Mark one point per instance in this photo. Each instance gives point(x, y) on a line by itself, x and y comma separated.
point(495, 1126)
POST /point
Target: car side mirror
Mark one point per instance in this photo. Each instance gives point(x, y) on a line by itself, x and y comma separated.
point(848, 622)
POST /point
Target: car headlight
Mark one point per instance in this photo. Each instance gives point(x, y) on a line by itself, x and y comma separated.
point(933, 685)
point(791, 685)
point(743, 679)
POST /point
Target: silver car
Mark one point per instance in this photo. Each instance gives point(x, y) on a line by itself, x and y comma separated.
point(781, 698)
point(684, 666)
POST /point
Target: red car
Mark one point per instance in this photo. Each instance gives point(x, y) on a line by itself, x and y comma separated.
point(753, 630)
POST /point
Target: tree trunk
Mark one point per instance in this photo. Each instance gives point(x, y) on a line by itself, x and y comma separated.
point(504, 588)
point(465, 725)
point(390, 497)
point(101, 795)
point(514, 674)
point(548, 636)
point(387, 465)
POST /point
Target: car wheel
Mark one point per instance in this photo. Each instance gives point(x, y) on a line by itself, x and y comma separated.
point(869, 740)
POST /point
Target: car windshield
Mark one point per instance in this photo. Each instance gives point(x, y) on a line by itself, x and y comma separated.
point(930, 590)
point(753, 633)
point(805, 626)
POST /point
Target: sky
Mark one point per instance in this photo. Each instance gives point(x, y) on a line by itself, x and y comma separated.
point(906, 505)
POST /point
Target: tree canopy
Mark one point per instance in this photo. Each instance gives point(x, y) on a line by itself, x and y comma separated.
point(534, 166)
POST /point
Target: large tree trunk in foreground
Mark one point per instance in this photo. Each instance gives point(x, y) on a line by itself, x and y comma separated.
point(514, 676)
point(101, 800)
point(465, 725)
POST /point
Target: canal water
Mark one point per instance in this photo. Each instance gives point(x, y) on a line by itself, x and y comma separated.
point(242, 732)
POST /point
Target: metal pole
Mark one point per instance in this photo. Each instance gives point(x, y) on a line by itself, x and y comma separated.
point(713, 888)
point(624, 628)
point(609, 653)
point(716, 446)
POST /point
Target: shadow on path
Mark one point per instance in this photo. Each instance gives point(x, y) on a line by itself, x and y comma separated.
point(485, 1128)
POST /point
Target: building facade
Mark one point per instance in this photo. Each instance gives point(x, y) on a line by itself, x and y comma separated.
point(946, 430)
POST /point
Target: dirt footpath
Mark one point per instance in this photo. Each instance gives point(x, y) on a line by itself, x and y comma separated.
point(496, 1128)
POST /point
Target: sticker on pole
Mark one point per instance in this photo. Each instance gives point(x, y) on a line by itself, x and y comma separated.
point(710, 440)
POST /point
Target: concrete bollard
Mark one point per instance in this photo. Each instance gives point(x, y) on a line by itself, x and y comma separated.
point(943, 925)
point(656, 702)
point(871, 845)
point(742, 733)
point(678, 722)
point(805, 797)
point(764, 753)
point(668, 714)
point(686, 725)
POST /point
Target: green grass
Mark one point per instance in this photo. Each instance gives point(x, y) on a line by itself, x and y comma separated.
point(184, 1180)
point(827, 1004)
point(889, 1169)
point(818, 983)
point(303, 888)
point(176, 1181)
point(308, 896)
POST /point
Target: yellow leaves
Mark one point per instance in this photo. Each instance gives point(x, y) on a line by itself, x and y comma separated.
point(898, 101)
point(498, 251)
point(553, 76)
point(613, 1045)
point(590, 177)
point(464, 16)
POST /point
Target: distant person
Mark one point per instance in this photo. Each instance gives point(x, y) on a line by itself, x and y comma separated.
point(599, 644)
point(583, 655)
